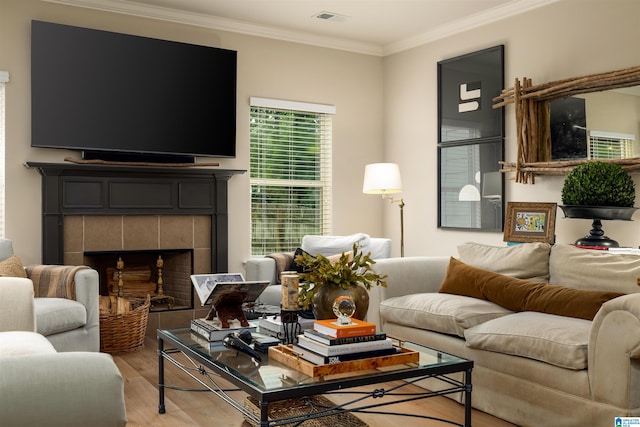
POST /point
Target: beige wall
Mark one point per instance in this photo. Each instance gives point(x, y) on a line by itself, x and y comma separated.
point(266, 68)
point(566, 39)
point(386, 111)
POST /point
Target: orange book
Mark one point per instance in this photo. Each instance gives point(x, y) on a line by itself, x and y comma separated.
point(332, 328)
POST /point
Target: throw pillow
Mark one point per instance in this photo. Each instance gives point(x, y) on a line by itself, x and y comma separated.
point(294, 265)
point(587, 269)
point(12, 267)
point(524, 261)
point(330, 245)
point(522, 295)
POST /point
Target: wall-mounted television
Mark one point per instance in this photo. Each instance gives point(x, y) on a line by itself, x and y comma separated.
point(123, 97)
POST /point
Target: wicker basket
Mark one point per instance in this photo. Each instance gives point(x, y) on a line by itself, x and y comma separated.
point(122, 333)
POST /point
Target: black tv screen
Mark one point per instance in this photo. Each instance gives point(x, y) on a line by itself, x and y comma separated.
point(115, 94)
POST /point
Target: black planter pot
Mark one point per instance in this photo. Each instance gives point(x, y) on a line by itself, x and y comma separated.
point(596, 235)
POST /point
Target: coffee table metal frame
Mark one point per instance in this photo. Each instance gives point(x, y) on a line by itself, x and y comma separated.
point(198, 363)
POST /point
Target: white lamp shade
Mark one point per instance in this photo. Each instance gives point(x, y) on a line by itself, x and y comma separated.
point(382, 178)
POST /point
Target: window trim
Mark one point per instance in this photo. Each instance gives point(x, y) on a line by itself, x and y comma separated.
point(324, 182)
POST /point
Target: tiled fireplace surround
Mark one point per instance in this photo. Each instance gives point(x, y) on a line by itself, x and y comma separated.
point(93, 209)
point(126, 235)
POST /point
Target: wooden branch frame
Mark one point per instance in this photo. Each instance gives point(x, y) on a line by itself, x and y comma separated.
point(533, 115)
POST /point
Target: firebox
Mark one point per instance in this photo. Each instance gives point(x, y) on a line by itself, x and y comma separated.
point(163, 274)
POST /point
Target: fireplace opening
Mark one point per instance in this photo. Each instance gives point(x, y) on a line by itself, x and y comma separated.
point(140, 272)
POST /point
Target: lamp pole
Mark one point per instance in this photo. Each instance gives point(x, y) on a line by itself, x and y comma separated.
point(400, 203)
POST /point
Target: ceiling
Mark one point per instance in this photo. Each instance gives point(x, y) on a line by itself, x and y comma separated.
point(378, 27)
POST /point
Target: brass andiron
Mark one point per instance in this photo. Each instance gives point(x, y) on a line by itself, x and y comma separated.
point(160, 296)
point(160, 264)
point(120, 267)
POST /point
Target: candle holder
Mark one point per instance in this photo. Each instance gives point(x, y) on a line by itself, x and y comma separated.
point(291, 328)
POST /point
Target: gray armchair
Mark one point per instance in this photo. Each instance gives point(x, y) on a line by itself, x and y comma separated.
point(66, 303)
point(41, 387)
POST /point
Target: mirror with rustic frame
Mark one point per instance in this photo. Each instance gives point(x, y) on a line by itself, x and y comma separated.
point(533, 120)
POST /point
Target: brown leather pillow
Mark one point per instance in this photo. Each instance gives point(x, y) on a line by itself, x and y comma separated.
point(522, 295)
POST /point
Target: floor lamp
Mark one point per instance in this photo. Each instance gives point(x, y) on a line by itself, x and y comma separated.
point(384, 179)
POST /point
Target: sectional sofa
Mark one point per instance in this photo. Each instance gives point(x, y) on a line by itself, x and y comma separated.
point(554, 331)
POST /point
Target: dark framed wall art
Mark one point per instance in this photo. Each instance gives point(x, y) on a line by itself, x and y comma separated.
point(470, 195)
point(471, 141)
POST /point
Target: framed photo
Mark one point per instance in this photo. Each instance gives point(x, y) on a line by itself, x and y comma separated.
point(467, 85)
point(530, 222)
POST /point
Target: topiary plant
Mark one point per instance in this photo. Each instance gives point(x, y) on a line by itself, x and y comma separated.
point(599, 184)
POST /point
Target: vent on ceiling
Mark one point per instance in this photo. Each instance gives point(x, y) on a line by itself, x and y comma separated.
point(330, 16)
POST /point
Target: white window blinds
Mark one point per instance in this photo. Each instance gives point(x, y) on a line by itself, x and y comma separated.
point(290, 168)
point(609, 145)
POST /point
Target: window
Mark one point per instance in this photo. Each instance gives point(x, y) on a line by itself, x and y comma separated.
point(4, 78)
point(290, 173)
point(608, 145)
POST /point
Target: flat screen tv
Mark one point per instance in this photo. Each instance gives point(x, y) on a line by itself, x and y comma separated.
point(123, 97)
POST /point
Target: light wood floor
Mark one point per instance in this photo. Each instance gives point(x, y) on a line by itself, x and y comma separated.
point(140, 372)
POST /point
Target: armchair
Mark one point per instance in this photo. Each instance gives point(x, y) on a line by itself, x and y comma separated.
point(38, 385)
point(266, 268)
point(66, 301)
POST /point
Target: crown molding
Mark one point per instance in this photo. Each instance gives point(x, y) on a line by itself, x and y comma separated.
point(223, 24)
point(459, 26)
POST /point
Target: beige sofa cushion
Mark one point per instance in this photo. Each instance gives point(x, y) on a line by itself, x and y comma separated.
point(57, 315)
point(524, 261)
point(570, 266)
point(558, 340)
point(448, 314)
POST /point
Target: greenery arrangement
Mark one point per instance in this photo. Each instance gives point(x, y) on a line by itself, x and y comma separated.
point(346, 272)
point(599, 184)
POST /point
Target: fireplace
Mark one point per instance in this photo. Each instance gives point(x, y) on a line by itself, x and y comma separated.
point(92, 210)
point(140, 275)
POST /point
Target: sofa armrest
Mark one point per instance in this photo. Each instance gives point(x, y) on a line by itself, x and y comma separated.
point(88, 294)
point(406, 276)
point(70, 389)
point(17, 312)
point(262, 268)
point(614, 352)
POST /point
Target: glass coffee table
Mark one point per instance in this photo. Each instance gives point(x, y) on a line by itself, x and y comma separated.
point(269, 381)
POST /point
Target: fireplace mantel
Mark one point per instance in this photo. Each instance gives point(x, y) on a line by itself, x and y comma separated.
point(93, 189)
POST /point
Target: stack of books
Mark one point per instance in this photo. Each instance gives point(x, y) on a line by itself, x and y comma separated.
point(272, 325)
point(329, 342)
point(212, 331)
